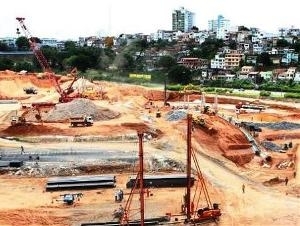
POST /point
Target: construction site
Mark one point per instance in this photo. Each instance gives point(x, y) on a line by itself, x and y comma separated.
point(76, 152)
point(258, 149)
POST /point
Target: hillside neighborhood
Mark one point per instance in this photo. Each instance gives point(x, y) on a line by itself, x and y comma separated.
point(244, 53)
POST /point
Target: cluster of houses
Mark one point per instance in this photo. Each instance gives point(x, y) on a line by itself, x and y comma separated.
point(250, 43)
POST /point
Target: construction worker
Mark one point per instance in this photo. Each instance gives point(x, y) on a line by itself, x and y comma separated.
point(286, 180)
point(243, 188)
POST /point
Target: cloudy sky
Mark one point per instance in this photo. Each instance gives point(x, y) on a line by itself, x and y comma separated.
point(65, 19)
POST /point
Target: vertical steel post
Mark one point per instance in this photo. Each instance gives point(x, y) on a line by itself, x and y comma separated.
point(188, 170)
point(141, 177)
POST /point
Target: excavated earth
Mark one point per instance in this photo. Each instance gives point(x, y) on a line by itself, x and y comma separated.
point(125, 112)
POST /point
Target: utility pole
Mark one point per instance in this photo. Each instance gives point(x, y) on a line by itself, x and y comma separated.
point(165, 92)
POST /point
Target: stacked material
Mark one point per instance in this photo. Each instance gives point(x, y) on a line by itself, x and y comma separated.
point(81, 182)
point(165, 180)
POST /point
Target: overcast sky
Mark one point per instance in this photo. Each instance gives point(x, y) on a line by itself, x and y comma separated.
point(66, 19)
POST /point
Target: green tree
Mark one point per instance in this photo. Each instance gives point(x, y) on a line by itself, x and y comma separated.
point(166, 62)
point(264, 59)
point(70, 46)
point(207, 49)
point(124, 62)
point(22, 43)
point(179, 74)
point(3, 46)
point(232, 44)
point(24, 65)
point(296, 46)
point(6, 64)
point(282, 43)
point(81, 62)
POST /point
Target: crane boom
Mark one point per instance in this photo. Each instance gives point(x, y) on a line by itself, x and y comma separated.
point(35, 47)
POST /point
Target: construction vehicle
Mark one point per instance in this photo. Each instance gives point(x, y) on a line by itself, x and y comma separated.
point(30, 90)
point(208, 111)
point(199, 122)
point(70, 198)
point(84, 120)
point(245, 107)
point(17, 120)
point(35, 47)
point(93, 94)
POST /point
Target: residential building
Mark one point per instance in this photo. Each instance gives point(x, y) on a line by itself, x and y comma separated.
point(193, 63)
point(297, 77)
point(52, 42)
point(220, 26)
point(257, 49)
point(289, 56)
point(251, 59)
point(266, 75)
point(163, 35)
point(182, 20)
point(9, 41)
point(232, 59)
point(218, 62)
point(247, 69)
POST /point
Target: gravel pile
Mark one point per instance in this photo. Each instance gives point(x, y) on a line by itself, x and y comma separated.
point(271, 146)
point(280, 125)
point(79, 107)
point(176, 115)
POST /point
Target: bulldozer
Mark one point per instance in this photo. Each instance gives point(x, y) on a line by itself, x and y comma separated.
point(93, 94)
point(199, 122)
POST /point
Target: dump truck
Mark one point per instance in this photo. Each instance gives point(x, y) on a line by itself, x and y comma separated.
point(17, 120)
point(84, 120)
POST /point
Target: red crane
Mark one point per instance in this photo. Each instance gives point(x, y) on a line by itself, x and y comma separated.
point(35, 47)
point(211, 211)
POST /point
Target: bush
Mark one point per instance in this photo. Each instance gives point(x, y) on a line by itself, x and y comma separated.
point(292, 95)
point(209, 89)
point(264, 93)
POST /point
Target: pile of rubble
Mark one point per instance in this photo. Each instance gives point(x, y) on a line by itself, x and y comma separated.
point(176, 115)
point(283, 125)
point(271, 146)
point(78, 107)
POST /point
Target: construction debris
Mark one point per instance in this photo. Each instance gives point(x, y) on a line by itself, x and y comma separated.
point(80, 106)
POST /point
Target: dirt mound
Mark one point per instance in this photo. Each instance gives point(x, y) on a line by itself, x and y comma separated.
point(31, 129)
point(141, 127)
point(239, 157)
point(228, 140)
point(64, 111)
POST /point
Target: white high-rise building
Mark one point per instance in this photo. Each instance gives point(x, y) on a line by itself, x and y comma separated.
point(220, 26)
point(182, 20)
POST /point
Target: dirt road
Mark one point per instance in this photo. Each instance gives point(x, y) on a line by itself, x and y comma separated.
point(259, 205)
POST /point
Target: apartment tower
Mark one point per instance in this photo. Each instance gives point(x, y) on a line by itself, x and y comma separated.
point(182, 20)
